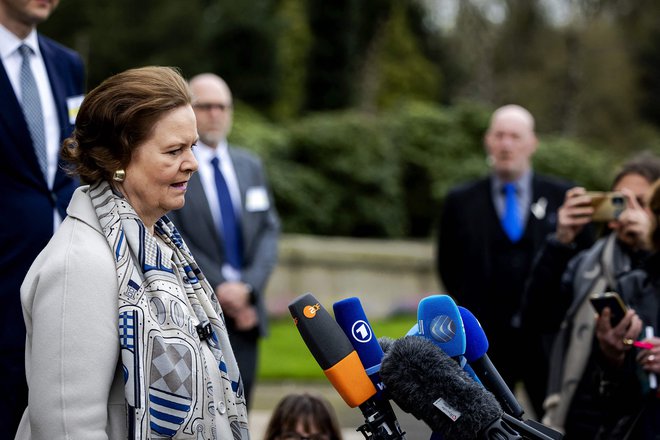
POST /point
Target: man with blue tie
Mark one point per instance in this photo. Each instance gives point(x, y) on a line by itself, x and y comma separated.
point(230, 223)
point(41, 86)
point(490, 230)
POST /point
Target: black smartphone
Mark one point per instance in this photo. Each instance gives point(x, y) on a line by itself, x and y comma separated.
point(612, 300)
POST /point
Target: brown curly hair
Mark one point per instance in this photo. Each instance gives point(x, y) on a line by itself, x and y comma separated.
point(118, 116)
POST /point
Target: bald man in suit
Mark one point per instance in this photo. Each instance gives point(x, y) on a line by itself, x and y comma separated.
point(41, 86)
point(490, 231)
point(233, 237)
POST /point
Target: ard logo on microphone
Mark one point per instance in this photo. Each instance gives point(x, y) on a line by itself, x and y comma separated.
point(361, 331)
point(310, 311)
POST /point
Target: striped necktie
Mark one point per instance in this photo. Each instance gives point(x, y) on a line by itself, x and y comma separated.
point(31, 103)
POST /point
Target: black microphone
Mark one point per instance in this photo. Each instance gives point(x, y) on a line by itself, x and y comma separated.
point(335, 355)
point(475, 353)
point(431, 386)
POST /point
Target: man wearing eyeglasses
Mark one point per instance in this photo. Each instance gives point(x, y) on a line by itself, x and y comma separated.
point(229, 222)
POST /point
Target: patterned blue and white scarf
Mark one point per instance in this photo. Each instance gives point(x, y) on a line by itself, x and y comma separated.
point(169, 392)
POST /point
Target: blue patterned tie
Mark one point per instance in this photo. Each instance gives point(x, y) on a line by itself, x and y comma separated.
point(511, 221)
point(231, 232)
point(31, 103)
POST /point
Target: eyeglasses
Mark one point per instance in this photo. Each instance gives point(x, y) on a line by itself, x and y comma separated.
point(206, 107)
point(296, 436)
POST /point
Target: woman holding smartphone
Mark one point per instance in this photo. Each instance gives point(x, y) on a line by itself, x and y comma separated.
point(632, 368)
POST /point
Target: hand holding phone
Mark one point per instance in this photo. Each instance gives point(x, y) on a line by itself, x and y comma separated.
point(607, 205)
point(613, 301)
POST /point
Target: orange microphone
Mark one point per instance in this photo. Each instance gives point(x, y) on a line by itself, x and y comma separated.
point(341, 364)
point(332, 350)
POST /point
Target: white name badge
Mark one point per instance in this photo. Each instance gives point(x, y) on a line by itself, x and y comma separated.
point(256, 199)
point(73, 104)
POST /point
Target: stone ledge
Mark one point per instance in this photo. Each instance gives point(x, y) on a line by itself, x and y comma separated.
point(389, 276)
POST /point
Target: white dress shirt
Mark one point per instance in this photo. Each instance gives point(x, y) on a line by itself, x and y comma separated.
point(523, 195)
point(12, 60)
point(204, 154)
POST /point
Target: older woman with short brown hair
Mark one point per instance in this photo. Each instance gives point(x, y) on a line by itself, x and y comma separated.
point(125, 337)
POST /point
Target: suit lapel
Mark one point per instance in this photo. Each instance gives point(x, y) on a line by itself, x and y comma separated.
point(535, 224)
point(196, 199)
point(56, 71)
point(242, 177)
point(16, 128)
point(241, 174)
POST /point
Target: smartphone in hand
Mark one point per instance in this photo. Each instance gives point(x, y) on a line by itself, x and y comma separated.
point(607, 205)
point(612, 300)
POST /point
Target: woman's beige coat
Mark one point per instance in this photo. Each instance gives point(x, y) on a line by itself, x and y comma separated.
point(69, 300)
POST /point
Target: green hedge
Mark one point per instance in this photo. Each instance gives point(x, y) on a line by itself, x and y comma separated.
point(357, 174)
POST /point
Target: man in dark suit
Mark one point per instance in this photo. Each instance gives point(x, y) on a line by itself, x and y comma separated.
point(490, 230)
point(41, 86)
point(230, 223)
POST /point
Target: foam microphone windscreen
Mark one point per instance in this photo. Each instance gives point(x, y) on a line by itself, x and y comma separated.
point(385, 343)
point(428, 384)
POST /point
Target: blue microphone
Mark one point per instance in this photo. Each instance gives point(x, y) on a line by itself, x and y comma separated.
point(351, 318)
point(475, 353)
point(440, 321)
point(442, 308)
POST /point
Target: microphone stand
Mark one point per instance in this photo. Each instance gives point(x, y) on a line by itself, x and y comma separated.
point(531, 433)
point(379, 426)
point(510, 428)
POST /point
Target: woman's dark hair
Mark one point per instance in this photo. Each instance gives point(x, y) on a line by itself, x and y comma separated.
point(312, 412)
point(118, 116)
point(645, 164)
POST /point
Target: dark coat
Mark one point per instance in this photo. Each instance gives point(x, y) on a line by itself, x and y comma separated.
point(640, 289)
point(26, 222)
point(469, 233)
point(485, 272)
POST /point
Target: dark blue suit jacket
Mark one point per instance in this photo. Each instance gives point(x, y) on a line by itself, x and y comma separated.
point(26, 222)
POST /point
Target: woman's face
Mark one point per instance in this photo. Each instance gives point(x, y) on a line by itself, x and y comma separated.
point(158, 173)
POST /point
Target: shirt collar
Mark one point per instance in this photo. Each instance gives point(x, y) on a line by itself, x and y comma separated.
point(522, 184)
point(205, 154)
point(9, 42)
